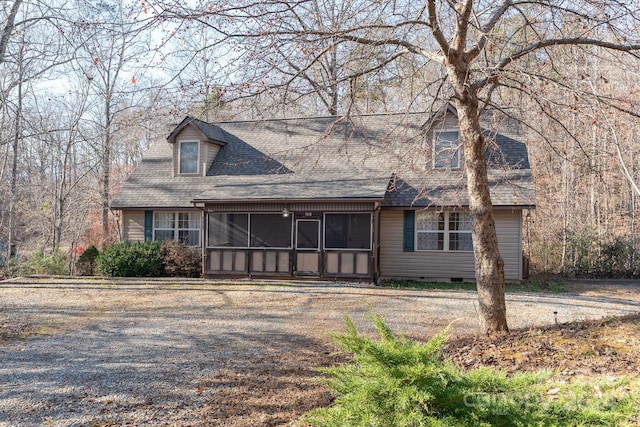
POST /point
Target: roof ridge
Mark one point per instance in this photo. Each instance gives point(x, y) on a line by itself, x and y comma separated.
point(281, 119)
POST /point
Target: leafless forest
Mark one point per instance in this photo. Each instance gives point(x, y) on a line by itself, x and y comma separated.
point(86, 87)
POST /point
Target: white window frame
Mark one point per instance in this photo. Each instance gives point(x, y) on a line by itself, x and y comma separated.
point(446, 231)
point(457, 156)
point(197, 171)
point(176, 225)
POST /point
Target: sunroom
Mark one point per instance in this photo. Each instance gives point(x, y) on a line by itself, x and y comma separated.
point(290, 239)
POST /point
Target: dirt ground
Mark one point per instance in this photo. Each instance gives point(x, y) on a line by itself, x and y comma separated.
point(141, 352)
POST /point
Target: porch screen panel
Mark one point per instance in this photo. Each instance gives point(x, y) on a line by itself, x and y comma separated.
point(228, 230)
point(307, 237)
point(270, 231)
point(348, 231)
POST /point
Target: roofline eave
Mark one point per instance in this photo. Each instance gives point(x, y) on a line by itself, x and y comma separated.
point(290, 200)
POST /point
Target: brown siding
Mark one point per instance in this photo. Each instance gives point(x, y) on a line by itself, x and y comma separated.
point(434, 265)
point(133, 226)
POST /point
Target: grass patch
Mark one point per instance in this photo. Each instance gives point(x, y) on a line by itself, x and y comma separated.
point(536, 284)
point(529, 285)
point(418, 284)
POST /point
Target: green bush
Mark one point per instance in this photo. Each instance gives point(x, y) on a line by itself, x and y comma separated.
point(587, 253)
point(131, 259)
point(394, 381)
point(86, 263)
point(54, 264)
point(615, 259)
point(181, 260)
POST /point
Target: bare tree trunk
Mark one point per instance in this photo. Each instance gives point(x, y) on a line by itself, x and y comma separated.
point(13, 190)
point(13, 197)
point(61, 196)
point(8, 29)
point(488, 262)
point(565, 208)
point(106, 173)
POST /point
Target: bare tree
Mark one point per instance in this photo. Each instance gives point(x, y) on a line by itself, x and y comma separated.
point(485, 49)
point(582, 127)
point(110, 43)
point(29, 49)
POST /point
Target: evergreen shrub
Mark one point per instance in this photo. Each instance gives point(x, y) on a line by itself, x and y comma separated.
point(394, 381)
point(131, 259)
point(53, 264)
point(86, 263)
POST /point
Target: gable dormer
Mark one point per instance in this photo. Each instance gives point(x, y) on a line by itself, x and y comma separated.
point(195, 144)
point(444, 139)
point(502, 138)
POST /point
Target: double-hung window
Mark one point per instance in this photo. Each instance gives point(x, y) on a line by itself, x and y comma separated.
point(443, 231)
point(181, 226)
point(447, 150)
point(189, 157)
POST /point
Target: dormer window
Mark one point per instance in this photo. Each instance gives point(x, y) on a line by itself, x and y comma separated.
point(447, 150)
point(189, 157)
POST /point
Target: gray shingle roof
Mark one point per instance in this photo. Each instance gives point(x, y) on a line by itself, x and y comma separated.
point(385, 157)
point(210, 131)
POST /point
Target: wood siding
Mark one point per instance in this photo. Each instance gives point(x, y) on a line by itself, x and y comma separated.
point(133, 226)
point(435, 265)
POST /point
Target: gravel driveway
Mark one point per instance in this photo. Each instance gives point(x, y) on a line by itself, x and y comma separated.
point(141, 352)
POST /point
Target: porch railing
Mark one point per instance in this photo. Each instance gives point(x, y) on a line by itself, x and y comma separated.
point(280, 262)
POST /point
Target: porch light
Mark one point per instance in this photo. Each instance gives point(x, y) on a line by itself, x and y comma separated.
point(285, 212)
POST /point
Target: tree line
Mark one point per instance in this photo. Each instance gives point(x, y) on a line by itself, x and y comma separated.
point(86, 87)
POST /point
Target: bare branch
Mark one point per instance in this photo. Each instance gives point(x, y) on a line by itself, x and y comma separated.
point(432, 19)
point(464, 11)
point(486, 29)
point(543, 44)
point(8, 29)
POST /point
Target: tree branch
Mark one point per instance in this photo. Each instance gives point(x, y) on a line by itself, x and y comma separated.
point(486, 29)
point(575, 41)
point(8, 29)
point(542, 44)
point(462, 28)
point(432, 19)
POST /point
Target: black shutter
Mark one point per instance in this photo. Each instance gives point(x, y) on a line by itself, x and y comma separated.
point(409, 231)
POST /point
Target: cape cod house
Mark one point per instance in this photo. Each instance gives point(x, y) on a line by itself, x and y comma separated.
point(360, 197)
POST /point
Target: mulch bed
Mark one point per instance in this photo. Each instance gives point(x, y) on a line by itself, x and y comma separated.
point(610, 346)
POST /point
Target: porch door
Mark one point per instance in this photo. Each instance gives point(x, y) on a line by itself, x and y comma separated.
point(307, 247)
